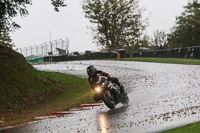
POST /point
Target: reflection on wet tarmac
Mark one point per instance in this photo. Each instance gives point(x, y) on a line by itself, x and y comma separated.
point(119, 110)
point(107, 119)
point(103, 123)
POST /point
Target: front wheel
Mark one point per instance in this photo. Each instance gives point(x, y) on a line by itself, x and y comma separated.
point(109, 100)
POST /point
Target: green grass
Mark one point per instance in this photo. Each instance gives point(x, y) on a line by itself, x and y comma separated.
point(26, 93)
point(20, 84)
point(73, 91)
point(162, 60)
point(191, 128)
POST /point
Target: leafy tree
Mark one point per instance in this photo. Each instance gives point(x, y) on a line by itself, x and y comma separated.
point(117, 23)
point(5, 39)
point(145, 41)
point(186, 32)
point(12, 8)
point(57, 4)
point(159, 39)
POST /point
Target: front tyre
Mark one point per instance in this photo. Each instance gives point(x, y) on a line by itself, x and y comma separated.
point(98, 96)
point(109, 100)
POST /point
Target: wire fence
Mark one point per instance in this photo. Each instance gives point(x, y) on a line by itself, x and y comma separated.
point(51, 48)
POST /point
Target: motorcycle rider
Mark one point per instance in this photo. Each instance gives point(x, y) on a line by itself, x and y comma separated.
point(93, 72)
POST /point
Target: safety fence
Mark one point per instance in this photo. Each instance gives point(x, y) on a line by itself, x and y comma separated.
point(53, 48)
point(188, 52)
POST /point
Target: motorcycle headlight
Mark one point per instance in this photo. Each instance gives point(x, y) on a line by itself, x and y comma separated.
point(97, 89)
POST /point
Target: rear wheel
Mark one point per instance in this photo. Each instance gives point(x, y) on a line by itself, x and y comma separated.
point(109, 100)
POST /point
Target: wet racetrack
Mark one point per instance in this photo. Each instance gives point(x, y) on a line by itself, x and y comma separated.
point(162, 96)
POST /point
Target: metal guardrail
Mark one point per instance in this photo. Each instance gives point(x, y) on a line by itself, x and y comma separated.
point(56, 47)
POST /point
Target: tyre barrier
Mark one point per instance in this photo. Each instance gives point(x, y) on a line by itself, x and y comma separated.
point(189, 52)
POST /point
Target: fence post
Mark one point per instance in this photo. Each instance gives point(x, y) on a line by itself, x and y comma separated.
point(67, 46)
point(42, 48)
point(51, 60)
point(26, 51)
point(36, 50)
point(31, 52)
point(62, 42)
point(46, 48)
point(56, 46)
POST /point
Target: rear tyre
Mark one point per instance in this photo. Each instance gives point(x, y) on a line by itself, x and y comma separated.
point(109, 100)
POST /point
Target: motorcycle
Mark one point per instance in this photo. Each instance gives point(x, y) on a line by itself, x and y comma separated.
point(110, 93)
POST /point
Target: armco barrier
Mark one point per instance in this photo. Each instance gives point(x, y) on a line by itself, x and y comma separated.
point(189, 52)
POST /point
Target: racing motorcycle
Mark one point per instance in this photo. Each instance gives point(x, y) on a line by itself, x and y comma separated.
point(110, 92)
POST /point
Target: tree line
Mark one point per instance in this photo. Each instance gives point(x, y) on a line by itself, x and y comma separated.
point(117, 24)
point(184, 33)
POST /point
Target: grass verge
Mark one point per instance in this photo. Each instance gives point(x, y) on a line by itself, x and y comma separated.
point(73, 92)
point(191, 128)
point(163, 60)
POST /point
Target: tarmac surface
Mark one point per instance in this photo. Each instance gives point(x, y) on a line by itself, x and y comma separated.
point(162, 96)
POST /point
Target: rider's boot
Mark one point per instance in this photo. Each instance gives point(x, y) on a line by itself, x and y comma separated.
point(122, 89)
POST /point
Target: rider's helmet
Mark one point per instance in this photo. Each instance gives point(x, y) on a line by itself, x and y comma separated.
point(91, 71)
